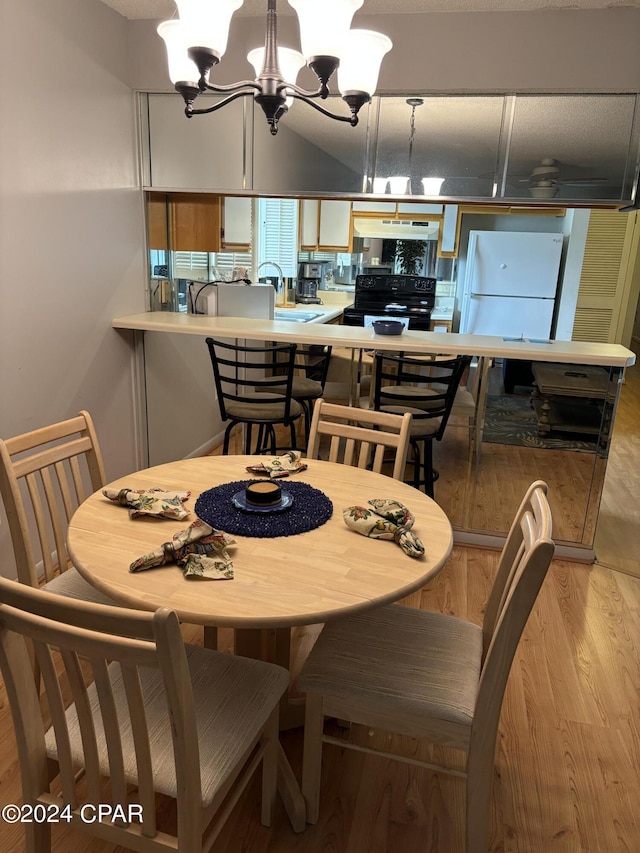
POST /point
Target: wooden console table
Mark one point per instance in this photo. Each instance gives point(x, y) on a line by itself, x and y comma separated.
point(585, 385)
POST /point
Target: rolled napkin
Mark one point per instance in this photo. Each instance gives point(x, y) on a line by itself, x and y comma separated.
point(280, 466)
point(154, 501)
point(199, 550)
point(387, 520)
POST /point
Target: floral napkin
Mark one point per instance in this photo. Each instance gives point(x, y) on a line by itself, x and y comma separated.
point(280, 466)
point(387, 520)
point(154, 501)
point(200, 550)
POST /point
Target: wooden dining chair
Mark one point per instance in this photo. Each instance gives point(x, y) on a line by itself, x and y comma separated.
point(360, 437)
point(430, 675)
point(149, 712)
point(45, 475)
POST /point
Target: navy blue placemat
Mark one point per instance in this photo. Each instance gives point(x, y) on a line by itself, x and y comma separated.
point(311, 508)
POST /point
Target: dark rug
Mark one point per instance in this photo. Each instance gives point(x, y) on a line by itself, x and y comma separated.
point(511, 420)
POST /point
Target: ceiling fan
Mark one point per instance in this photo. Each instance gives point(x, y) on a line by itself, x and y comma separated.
point(547, 177)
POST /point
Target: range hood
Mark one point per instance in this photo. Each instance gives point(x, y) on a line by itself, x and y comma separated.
point(396, 229)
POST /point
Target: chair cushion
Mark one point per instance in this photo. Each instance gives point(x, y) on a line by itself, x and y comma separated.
point(401, 664)
point(305, 389)
point(73, 585)
point(271, 411)
point(421, 427)
point(233, 698)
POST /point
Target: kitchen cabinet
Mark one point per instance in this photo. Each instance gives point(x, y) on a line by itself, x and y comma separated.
point(449, 232)
point(309, 220)
point(184, 222)
point(335, 225)
point(325, 224)
point(236, 227)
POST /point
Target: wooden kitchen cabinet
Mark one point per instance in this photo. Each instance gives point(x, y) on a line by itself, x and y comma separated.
point(187, 222)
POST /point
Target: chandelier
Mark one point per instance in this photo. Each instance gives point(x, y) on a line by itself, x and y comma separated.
point(198, 39)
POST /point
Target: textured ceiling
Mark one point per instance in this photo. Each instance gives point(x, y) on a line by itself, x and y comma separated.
point(136, 9)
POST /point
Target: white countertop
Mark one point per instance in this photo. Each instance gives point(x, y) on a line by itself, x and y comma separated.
point(357, 337)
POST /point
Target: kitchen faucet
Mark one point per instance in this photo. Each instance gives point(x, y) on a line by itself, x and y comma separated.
point(280, 293)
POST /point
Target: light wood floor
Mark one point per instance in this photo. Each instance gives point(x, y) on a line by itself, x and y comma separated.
point(568, 758)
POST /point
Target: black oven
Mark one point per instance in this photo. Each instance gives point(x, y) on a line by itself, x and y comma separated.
point(387, 296)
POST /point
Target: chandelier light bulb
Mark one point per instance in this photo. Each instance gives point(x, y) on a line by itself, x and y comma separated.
point(289, 60)
point(324, 25)
point(207, 23)
point(181, 68)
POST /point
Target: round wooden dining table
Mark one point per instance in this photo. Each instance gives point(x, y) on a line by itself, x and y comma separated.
point(279, 582)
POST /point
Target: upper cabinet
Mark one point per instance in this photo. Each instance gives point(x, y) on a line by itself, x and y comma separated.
point(325, 224)
point(184, 222)
point(236, 224)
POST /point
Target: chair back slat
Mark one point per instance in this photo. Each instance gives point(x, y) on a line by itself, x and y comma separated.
point(355, 432)
point(109, 713)
point(42, 525)
point(140, 732)
point(44, 475)
point(85, 723)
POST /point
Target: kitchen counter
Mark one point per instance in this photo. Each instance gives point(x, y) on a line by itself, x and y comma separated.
point(327, 312)
point(356, 337)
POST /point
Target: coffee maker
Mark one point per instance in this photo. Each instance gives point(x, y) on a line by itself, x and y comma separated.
point(309, 280)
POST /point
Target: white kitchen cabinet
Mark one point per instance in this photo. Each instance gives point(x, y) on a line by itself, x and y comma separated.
point(236, 231)
point(450, 232)
point(335, 225)
point(325, 225)
point(374, 207)
point(418, 208)
point(309, 221)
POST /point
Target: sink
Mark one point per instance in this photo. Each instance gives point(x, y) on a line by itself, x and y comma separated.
point(296, 316)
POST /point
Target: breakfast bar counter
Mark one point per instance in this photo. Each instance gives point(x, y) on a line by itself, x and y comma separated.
point(486, 458)
point(356, 337)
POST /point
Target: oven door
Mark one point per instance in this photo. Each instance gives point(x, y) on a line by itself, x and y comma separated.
point(364, 317)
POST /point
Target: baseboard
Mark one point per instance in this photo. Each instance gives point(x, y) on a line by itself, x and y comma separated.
point(575, 553)
point(206, 448)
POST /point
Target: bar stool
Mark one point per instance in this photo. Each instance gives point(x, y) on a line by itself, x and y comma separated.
point(404, 384)
point(254, 387)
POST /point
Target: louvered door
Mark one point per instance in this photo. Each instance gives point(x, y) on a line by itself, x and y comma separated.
point(604, 282)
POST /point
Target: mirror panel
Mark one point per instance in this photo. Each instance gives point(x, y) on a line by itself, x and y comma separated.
point(311, 153)
point(455, 138)
point(586, 143)
point(205, 151)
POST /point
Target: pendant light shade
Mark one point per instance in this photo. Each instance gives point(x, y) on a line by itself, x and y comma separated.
point(181, 68)
point(399, 184)
point(207, 22)
point(324, 25)
point(380, 185)
point(360, 61)
point(432, 186)
point(289, 60)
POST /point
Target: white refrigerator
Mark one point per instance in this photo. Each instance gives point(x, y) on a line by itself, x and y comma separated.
point(510, 284)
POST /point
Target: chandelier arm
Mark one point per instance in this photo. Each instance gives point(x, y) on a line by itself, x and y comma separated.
point(232, 87)
point(304, 94)
point(352, 119)
point(189, 111)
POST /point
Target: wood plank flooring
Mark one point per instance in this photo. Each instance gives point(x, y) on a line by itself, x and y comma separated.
point(568, 758)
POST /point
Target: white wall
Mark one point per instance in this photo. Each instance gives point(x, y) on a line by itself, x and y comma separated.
point(549, 50)
point(71, 226)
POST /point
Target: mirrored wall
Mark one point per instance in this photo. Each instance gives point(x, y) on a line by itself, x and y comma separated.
point(547, 149)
